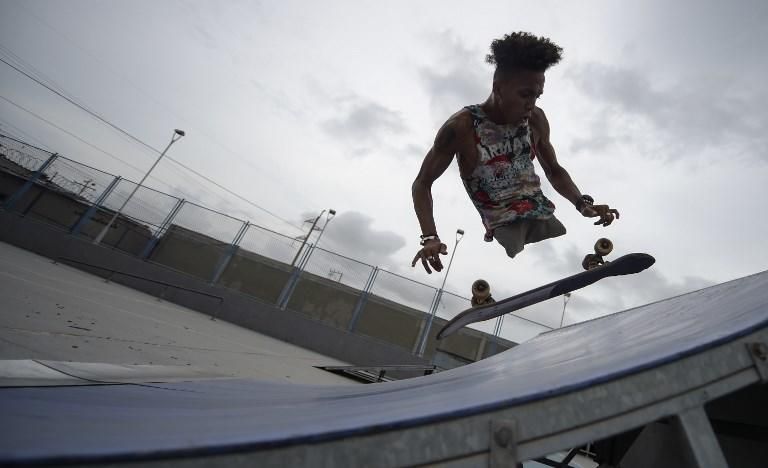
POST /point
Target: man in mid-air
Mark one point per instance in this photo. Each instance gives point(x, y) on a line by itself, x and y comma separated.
point(495, 143)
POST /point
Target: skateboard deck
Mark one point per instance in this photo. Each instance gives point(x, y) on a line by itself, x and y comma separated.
point(625, 265)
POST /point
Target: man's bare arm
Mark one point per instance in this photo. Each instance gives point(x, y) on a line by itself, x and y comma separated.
point(559, 177)
point(556, 174)
point(434, 165)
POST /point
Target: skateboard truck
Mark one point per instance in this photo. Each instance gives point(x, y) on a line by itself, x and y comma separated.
point(603, 247)
point(481, 293)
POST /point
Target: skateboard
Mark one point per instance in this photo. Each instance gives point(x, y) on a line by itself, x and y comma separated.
point(596, 269)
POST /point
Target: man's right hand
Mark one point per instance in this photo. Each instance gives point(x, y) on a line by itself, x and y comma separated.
point(430, 255)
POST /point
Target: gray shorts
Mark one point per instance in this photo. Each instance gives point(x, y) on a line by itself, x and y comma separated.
point(514, 236)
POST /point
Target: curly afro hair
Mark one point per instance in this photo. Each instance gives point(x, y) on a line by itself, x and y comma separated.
point(522, 50)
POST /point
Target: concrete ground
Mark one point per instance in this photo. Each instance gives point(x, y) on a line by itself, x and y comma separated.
point(58, 313)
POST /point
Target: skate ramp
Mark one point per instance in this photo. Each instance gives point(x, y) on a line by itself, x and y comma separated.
point(562, 388)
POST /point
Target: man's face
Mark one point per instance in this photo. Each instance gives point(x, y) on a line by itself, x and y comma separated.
point(517, 94)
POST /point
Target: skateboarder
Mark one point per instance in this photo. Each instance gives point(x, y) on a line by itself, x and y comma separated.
point(495, 143)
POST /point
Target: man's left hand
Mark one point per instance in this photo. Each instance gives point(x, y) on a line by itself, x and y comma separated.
point(606, 213)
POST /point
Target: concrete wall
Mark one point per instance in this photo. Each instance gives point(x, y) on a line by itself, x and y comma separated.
point(286, 325)
point(190, 252)
point(392, 322)
point(256, 275)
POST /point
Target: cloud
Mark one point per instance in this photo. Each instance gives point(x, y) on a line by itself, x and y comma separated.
point(205, 37)
point(363, 122)
point(459, 77)
point(558, 262)
point(352, 234)
point(412, 150)
point(682, 118)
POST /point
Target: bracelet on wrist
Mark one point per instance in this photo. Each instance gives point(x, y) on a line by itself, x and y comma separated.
point(584, 201)
point(428, 237)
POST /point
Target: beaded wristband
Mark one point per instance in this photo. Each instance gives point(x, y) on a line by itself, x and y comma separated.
point(428, 237)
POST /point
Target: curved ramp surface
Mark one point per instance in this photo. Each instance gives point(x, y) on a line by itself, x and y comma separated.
point(205, 418)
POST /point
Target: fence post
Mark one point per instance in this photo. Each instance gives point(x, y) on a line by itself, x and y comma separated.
point(86, 217)
point(422, 326)
point(363, 299)
point(428, 326)
point(33, 202)
point(493, 341)
point(8, 205)
point(163, 228)
point(231, 250)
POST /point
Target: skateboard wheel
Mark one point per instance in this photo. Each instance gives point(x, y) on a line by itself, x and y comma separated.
point(480, 290)
point(603, 246)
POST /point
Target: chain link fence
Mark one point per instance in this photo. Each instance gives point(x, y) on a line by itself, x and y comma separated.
point(198, 241)
point(265, 254)
point(329, 286)
point(222, 249)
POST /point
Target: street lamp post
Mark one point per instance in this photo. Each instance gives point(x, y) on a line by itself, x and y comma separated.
point(177, 134)
point(87, 184)
point(425, 334)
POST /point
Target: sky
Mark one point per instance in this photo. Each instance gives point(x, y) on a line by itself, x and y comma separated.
point(657, 108)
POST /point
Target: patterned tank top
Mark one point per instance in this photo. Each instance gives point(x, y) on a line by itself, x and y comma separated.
point(504, 187)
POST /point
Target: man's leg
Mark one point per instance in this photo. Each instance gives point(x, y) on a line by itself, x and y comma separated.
point(512, 237)
point(541, 229)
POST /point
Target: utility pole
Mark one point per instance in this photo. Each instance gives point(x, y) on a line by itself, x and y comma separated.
point(87, 184)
